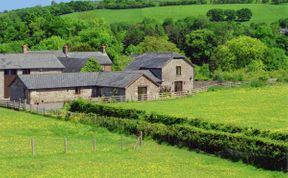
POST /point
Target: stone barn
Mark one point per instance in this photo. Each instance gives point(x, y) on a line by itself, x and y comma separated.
point(64, 87)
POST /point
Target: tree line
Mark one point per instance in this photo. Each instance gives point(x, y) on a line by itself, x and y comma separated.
point(219, 15)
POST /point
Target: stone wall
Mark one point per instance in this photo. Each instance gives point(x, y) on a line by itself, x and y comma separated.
point(58, 95)
point(152, 89)
point(1, 84)
point(107, 68)
point(169, 75)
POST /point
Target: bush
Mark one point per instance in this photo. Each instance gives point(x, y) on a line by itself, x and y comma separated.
point(237, 75)
point(202, 72)
point(257, 83)
point(255, 151)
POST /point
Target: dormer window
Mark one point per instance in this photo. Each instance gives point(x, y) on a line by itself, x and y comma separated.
point(178, 70)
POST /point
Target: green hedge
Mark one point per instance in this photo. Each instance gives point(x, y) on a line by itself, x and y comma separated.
point(255, 151)
point(90, 107)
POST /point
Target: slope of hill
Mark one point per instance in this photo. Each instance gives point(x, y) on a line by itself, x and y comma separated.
point(261, 12)
point(109, 160)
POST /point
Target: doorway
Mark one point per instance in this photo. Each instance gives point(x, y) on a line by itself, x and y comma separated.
point(142, 93)
point(178, 86)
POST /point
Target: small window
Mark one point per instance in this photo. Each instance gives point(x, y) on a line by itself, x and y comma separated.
point(26, 71)
point(77, 91)
point(10, 72)
point(178, 70)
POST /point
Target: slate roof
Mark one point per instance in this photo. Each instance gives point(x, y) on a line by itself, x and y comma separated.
point(152, 60)
point(66, 80)
point(30, 61)
point(72, 65)
point(148, 73)
point(102, 58)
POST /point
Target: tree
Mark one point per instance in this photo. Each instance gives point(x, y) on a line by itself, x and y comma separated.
point(244, 14)
point(200, 44)
point(157, 44)
point(216, 15)
point(92, 65)
point(223, 59)
point(275, 59)
point(230, 14)
point(52, 43)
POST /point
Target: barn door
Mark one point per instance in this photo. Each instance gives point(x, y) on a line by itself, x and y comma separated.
point(142, 93)
point(178, 86)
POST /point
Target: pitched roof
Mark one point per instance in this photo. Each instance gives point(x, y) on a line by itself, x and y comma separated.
point(148, 73)
point(66, 80)
point(102, 58)
point(72, 65)
point(153, 60)
point(29, 61)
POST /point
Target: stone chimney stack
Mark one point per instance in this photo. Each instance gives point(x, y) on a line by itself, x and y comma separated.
point(25, 49)
point(65, 49)
point(103, 49)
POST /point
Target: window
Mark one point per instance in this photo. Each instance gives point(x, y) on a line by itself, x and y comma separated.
point(178, 70)
point(10, 72)
point(77, 91)
point(26, 71)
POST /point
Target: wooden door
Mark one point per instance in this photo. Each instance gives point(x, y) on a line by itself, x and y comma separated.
point(178, 86)
point(8, 79)
point(142, 93)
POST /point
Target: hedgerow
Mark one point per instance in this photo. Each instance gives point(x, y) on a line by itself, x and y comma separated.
point(259, 152)
point(90, 107)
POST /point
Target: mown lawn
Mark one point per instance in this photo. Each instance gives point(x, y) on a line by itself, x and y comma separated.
point(264, 108)
point(109, 160)
point(261, 12)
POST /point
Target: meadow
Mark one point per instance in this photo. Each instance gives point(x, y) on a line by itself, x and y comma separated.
point(109, 160)
point(261, 12)
point(263, 108)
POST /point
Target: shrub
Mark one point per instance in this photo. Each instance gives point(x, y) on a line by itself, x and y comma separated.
point(202, 72)
point(257, 83)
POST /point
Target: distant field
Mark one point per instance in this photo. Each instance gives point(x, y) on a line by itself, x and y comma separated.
point(109, 160)
point(264, 108)
point(261, 12)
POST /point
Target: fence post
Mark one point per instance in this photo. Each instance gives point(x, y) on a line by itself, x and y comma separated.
point(140, 138)
point(94, 144)
point(33, 146)
point(44, 111)
point(30, 107)
point(14, 104)
point(65, 145)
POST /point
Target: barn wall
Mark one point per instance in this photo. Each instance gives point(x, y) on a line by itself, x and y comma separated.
point(169, 75)
point(58, 95)
point(152, 89)
point(45, 71)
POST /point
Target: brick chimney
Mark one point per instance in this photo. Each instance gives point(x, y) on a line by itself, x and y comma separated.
point(65, 49)
point(103, 49)
point(25, 49)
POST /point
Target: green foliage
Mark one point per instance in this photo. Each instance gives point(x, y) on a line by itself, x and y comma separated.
point(156, 44)
point(202, 72)
point(244, 14)
point(200, 44)
point(256, 65)
point(52, 43)
point(275, 59)
point(245, 49)
point(219, 15)
point(92, 65)
point(222, 58)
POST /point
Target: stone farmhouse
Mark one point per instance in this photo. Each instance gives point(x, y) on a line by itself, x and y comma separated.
point(51, 88)
point(54, 76)
point(174, 72)
point(43, 62)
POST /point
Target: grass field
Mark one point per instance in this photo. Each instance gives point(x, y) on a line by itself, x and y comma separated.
point(109, 160)
point(261, 12)
point(264, 108)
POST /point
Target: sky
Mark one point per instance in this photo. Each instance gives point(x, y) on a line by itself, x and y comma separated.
point(16, 4)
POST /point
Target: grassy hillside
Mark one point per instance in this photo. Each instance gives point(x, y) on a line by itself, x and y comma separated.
point(261, 12)
point(151, 160)
point(263, 108)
